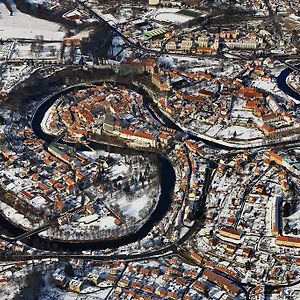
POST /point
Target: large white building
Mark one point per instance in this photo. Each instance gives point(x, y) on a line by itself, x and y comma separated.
point(154, 2)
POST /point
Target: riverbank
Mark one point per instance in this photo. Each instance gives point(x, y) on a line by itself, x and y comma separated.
point(16, 24)
point(247, 144)
point(41, 12)
point(283, 85)
point(293, 85)
point(166, 178)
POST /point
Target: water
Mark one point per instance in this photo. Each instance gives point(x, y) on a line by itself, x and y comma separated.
point(281, 82)
point(167, 182)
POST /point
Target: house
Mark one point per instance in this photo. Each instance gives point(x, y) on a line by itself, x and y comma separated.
point(148, 289)
point(222, 281)
point(200, 286)
point(44, 188)
point(246, 252)
point(59, 280)
point(124, 282)
point(162, 82)
point(154, 2)
point(288, 241)
point(75, 285)
point(230, 233)
point(3, 280)
point(196, 257)
point(112, 278)
point(165, 138)
point(230, 249)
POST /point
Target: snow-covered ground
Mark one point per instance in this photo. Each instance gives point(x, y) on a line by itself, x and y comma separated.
point(36, 2)
point(294, 219)
point(240, 132)
point(21, 25)
point(272, 87)
point(294, 17)
point(172, 17)
point(14, 216)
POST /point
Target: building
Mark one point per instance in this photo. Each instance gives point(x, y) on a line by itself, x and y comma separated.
point(154, 2)
point(75, 285)
point(163, 82)
point(276, 216)
point(171, 46)
point(59, 280)
point(230, 233)
point(288, 241)
point(203, 41)
point(223, 282)
point(144, 139)
point(196, 257)
point(243, 43)
point(186, 45)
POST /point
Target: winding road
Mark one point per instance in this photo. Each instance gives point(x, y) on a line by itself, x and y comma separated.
point(173, 248)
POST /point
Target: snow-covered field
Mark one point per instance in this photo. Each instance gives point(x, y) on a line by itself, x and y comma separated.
point(49, 50)
point(21, 25)
point(172, 17)
point(272, 87)
point(240, 132)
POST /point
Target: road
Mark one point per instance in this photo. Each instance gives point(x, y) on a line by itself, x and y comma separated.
point(137, 46)
point(174, 248)
point(248, 190)
point(295, 68)
point(171, 248)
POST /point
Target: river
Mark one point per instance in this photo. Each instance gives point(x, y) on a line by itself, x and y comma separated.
point(167, 181)
point(167, 175)
point(281, 82)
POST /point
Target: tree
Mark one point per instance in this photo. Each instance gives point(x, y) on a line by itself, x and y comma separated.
point(69, 270)
point(33, 47)
point(31, 287)
point(126, 187)
point(39, 43)
point(53, 51)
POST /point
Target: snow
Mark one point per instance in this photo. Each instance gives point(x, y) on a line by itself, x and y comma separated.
point(172, 18)
point(24, 51)
point(82, 34)
point(39, 202)
point(133, 208)
point(36, 2)
point(106, 222)
point(295, 219)
point(17, 184)
point(294, 17)
point(271, 86)
point(107, 17)
point(266, 85)
point(49, 292)
point(21, 25)
point(241, 132)
point(13, 75)
point(166, 60)
point(14, 216)
point(118, 170)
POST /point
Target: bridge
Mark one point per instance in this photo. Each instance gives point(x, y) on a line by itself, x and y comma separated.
point(51, 223)
point(58, 138)
point(32, 232)
point(295, 68)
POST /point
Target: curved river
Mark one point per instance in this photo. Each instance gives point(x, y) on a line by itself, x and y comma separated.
point(167, 175)
point(167, 182)
point(281, 82)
